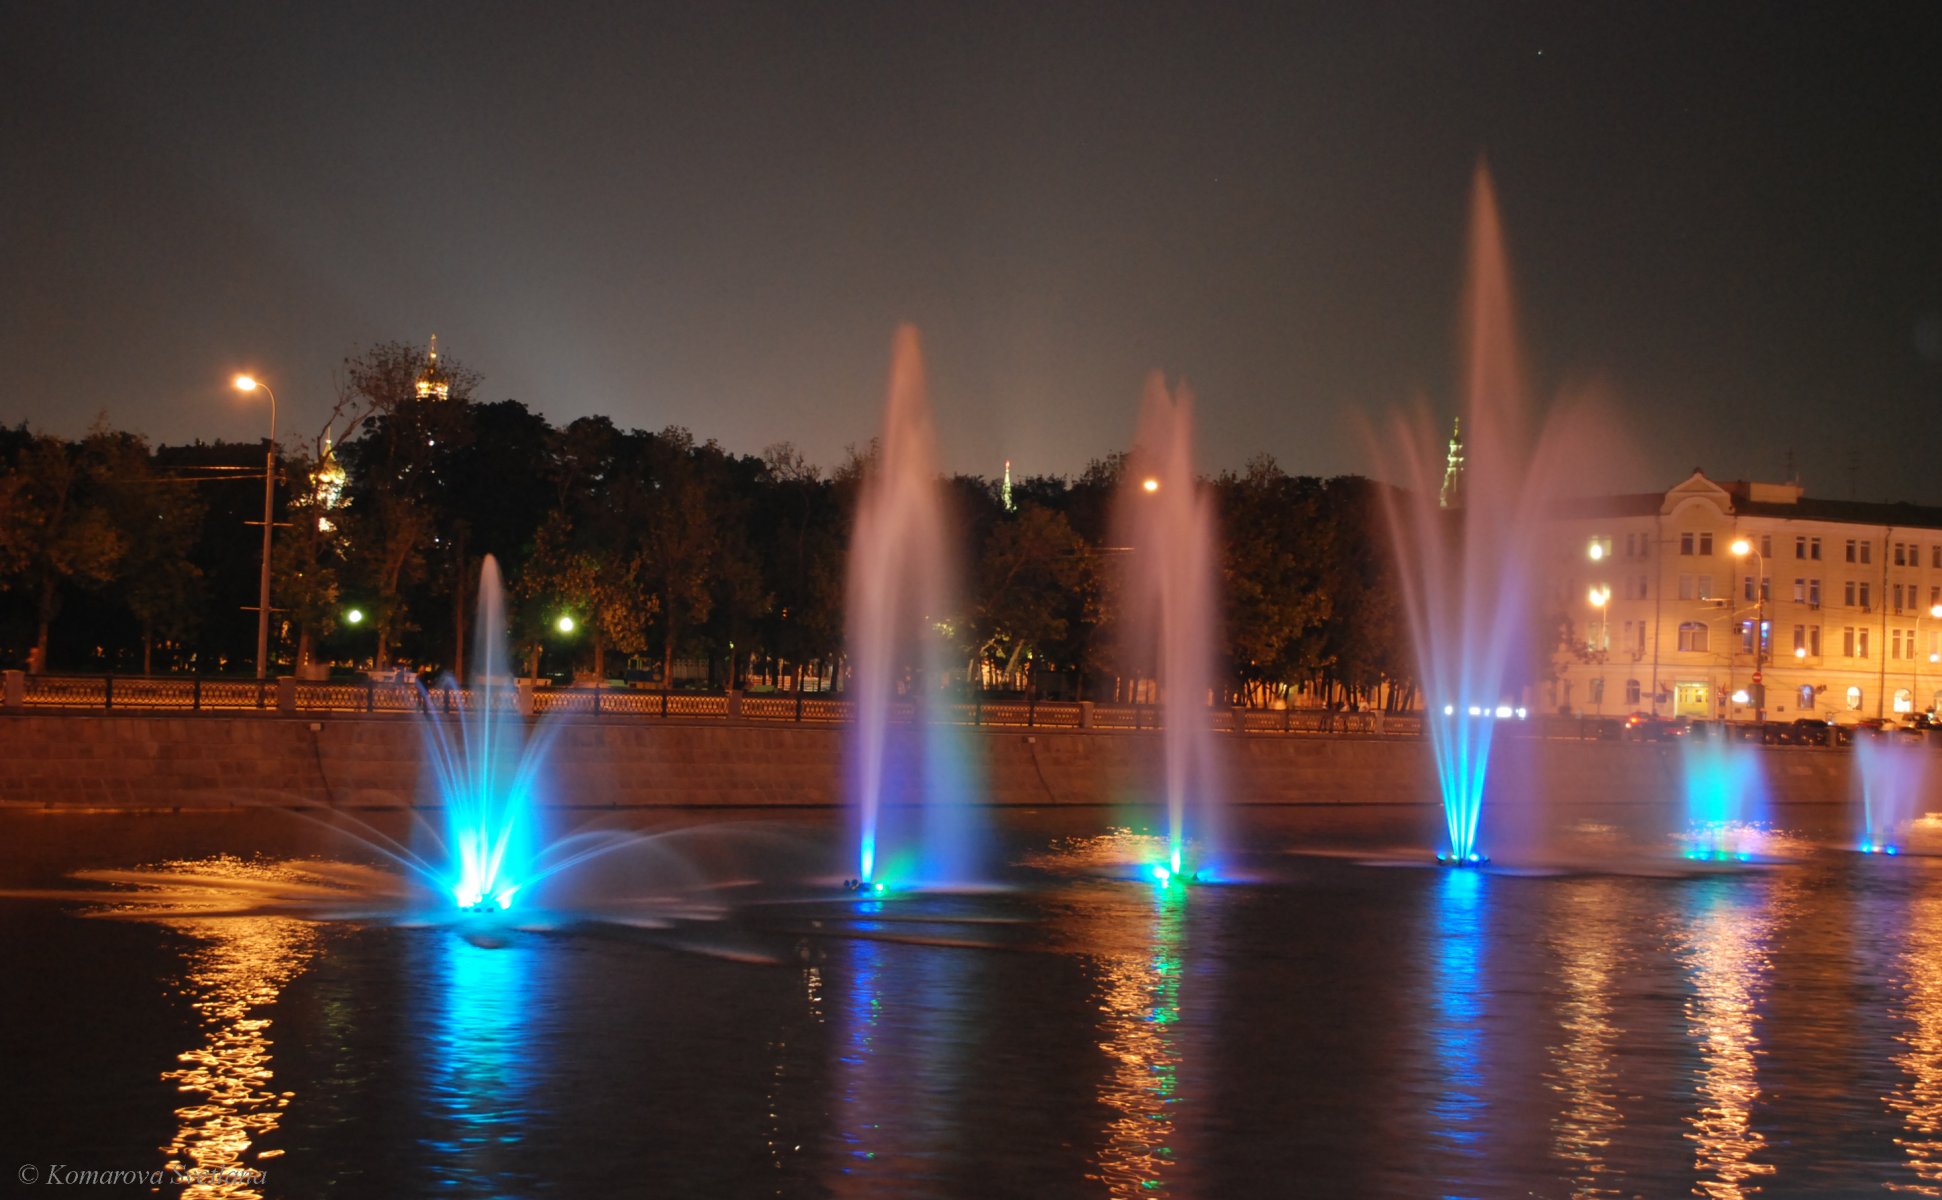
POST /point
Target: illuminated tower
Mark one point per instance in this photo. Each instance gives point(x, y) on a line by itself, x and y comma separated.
point(432, 384)
point(1452, 494)
point(1004, 494)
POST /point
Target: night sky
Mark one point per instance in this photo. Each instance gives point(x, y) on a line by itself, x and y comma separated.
point(1726, 216)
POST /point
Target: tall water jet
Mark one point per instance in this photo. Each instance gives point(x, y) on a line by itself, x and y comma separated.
point(1168, 610)
point(1466, 529)
point(1892, 774)
point(486, 770)
point(906, 770)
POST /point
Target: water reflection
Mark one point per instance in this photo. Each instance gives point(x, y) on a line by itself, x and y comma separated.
point(1724, 946)
point(1461, 996)
point(909, 1030)
point(1919, 1098)
point(236, 970)
point(482, 1059)
point(1140, 1006)
point(1588, 935)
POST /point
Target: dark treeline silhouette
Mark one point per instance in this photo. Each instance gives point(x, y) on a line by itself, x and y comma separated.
point(678, 562)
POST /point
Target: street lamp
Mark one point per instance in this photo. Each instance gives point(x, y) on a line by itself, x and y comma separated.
point(1741, 548)
point(1915, 667)
point(1600, 595)
point(248, 383)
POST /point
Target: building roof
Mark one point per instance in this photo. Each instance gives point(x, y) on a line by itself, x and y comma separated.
point(1738, 496)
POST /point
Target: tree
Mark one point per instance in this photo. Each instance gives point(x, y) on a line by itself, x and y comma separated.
point(414, 420)
point(56, 527)
point(1031, 581)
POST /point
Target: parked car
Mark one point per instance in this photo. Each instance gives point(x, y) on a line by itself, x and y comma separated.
point(1804, 731)
point(1649, 727)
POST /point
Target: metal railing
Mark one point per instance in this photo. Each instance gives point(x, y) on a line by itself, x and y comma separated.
point(156, 694)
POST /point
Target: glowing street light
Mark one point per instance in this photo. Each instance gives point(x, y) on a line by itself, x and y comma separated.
point(565, 624)
point(1150, 484)
point(1596, 551)
point(354, 616)
point(249, 383)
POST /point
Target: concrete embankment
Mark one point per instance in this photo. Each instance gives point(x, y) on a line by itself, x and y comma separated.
point(165, 762)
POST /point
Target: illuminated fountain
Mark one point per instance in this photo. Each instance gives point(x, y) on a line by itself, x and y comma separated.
point(1725, 800)
point(1466, 530)
point(1168, 612)
point(906, 771)
point(1892, 773)
point(487, 771)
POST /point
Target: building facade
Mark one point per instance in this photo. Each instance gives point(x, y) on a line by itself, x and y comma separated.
point(1745, 601)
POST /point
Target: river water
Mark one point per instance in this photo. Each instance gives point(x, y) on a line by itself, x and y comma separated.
point(1331, 1026)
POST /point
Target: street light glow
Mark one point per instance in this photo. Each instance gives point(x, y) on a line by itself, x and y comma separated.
point(1596, 552)
point(564, 624)
point(1150, 484)
point(1741, 547)
point(245, 383)
point(354, 617)
point(1599, 596)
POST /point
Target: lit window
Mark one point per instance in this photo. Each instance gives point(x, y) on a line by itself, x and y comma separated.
point(1854, 699)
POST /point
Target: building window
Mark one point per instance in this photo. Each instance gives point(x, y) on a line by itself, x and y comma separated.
point(1640, 647)
point(1894, 643)
point(1867, 551)
point(1706, 544)
point(1746, 637)
point(1854, 699)
point(1641, 585)
point(1685, 587)
point(1632, 691)
point(1800, 546)
point(1814, 640)
point(1847, 641)
point(1867, 597)
point(1800, 639)
point(1935, 556)
point(1901, 558)
point(1814, 592)
point(1814, 548)
point(1861, 643)
point(1704, 586)
point(1807, 697)
point(1904, 700)
point(1766, 545)
point(1692, 636)
point(1850, 550)
point(1686, 544)
point(1597, 690)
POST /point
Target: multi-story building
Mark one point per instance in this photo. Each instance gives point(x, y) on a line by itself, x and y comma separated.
point(1744, 601)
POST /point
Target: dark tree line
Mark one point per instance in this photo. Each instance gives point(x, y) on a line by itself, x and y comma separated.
point(675, 559)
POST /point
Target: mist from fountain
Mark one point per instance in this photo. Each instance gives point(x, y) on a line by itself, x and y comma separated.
point(1892, 774)
point(1169, 614)
point(1726, 800)
point(907, 773)
point(1466, 559)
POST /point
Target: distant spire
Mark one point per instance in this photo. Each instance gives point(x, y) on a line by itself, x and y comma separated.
point(432, 385)
point(1004, 493)
point(1452, 493)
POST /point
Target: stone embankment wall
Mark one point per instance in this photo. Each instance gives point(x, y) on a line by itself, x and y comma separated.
point(165, 762)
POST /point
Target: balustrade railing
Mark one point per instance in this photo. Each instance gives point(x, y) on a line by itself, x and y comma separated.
point(154, 694)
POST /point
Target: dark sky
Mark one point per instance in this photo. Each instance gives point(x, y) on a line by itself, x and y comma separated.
point(713, 215)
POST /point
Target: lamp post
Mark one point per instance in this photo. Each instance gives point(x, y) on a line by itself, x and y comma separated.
point(1915, 666)
point(1600, 596)
point(1741, 548)
point(248, 383)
